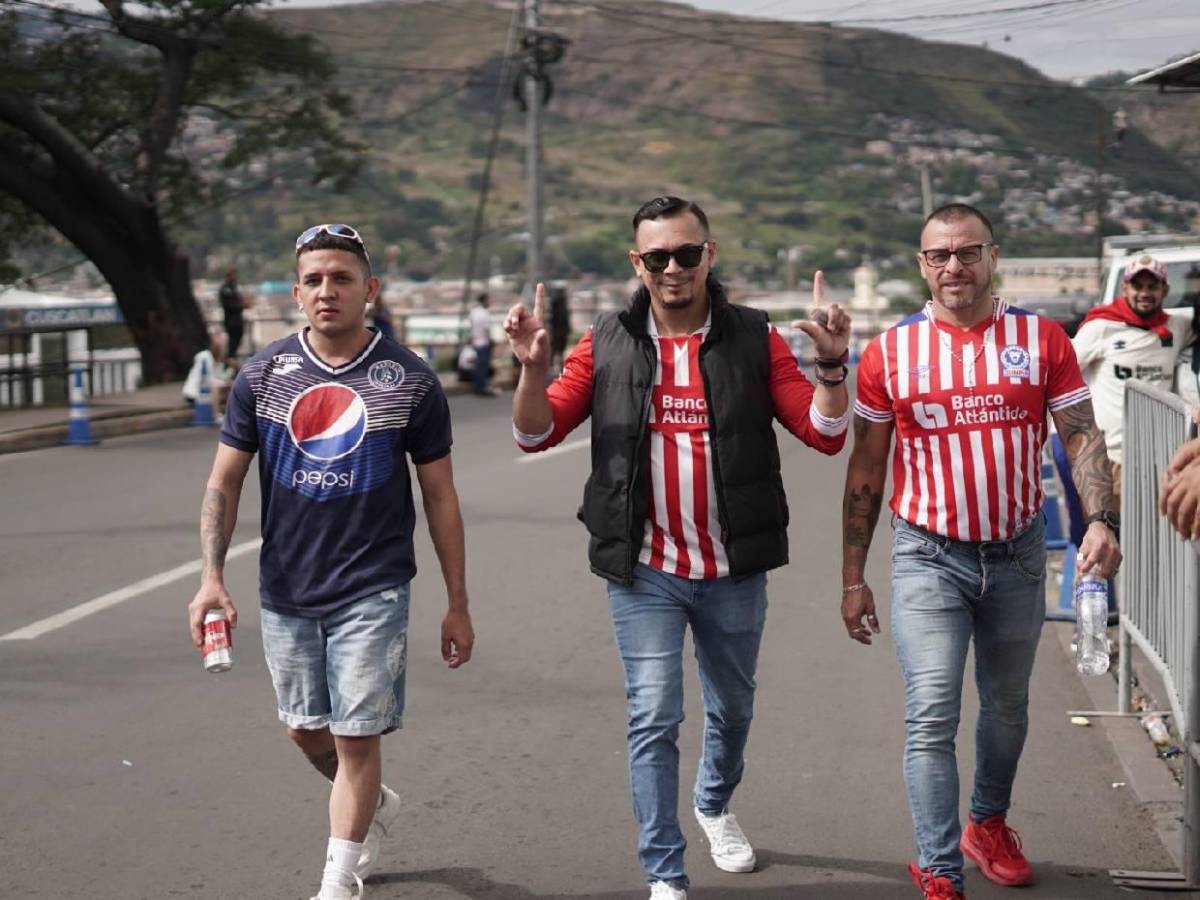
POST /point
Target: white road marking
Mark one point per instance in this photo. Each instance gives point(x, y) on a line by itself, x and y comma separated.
point(553, 451)
point(83, 610)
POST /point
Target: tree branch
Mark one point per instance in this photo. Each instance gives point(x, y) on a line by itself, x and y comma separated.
point(70, 154)
point(35, 186)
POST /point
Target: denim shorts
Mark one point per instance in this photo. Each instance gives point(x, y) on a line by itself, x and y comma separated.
point(344, 671)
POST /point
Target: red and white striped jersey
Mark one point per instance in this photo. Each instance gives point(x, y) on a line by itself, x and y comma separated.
point(682, 531)
point(969, 409)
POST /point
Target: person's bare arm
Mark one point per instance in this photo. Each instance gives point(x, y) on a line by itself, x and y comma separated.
point(866, 474)
point(1092, 473)
point(218, 516)
point(440, 500)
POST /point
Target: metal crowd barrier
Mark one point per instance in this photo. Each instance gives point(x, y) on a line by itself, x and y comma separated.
point(1159, 593)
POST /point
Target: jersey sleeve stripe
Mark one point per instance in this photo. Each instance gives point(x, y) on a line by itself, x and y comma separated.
point(872, 414)
point(830, 427)
point(529, 441)
point(1069, 399)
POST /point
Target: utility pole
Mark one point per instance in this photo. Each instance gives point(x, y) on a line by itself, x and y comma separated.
point(1120, 123)
point(533, 150)
point(1101, 114)
point(926, 191)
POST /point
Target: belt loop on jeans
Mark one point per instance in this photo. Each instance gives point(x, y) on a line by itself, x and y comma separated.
point(940, 539)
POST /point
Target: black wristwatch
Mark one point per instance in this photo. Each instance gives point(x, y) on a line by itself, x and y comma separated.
point(1111, 519)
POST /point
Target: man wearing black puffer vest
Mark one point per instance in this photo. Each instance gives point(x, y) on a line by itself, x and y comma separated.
point(685, 505)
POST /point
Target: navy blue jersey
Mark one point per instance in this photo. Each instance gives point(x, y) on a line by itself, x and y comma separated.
point(337, 503)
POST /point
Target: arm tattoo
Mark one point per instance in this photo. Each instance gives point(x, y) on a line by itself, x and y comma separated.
point(1089, 459)
point(326, 763)
point(213, 541)
point(862, 514)
point(860, 428)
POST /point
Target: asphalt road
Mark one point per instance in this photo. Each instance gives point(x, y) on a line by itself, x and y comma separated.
point(128, 772)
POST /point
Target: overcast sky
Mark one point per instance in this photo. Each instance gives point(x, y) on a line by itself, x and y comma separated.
point(1063, 38)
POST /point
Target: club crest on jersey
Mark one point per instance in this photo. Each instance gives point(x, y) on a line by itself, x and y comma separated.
point(327, 421)
point(1014, 361)
point(386, 374)
point(286, 362)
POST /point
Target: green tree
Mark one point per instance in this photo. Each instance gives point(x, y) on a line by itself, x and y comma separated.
point(115, 126)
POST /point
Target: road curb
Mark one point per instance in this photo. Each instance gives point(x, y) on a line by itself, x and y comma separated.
point(103, 426)
point(118, 422)
point(1147, 777)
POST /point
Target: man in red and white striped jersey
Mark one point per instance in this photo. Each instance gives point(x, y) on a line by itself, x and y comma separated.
point(967, 386)
point(685, 505)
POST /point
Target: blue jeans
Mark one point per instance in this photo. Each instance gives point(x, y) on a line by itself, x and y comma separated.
point(649, 619)
point(483, 368)
point(944, 593)
point(344, 671)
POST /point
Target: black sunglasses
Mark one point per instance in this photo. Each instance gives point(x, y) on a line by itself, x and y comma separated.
point(688, 256)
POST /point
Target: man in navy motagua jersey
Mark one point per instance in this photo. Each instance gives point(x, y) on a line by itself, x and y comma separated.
point(333, 413)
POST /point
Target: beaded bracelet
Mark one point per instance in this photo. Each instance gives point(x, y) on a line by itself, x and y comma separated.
point(853, 587)
point(831, 382)
point(832, 362)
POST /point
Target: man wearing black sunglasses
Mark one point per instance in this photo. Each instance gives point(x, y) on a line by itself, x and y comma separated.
point(685, 505)
point(334, 413)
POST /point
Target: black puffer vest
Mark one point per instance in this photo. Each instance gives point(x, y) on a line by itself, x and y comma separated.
point(735, 366)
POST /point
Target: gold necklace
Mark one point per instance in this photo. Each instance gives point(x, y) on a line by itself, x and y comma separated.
point(989, 336)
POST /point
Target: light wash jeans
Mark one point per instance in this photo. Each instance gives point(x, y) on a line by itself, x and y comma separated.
point(649, 619)
point(344, 671)
point(944, 593)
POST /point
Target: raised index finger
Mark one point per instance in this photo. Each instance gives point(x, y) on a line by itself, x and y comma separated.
point(818, 288)
point(539, 302)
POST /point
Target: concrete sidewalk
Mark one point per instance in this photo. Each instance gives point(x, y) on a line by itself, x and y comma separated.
point(147, 409)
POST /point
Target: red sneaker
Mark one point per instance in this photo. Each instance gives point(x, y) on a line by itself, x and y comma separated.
point(934, 887)
point(996, 849)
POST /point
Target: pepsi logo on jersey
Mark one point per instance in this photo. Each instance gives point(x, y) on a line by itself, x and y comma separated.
point(327, 421)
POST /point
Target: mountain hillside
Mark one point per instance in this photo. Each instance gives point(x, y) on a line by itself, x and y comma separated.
point(790, 134)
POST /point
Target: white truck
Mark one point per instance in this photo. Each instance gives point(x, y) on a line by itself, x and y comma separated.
point(1179, 253)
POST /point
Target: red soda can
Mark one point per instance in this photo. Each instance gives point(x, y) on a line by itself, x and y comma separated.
point(218, 642)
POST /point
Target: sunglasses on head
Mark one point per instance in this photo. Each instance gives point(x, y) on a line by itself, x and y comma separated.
point(341, 231)
point(688, 256)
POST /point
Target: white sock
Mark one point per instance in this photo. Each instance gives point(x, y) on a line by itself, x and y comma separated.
point(340, 859)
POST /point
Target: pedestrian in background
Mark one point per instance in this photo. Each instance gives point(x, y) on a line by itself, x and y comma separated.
point(481, 340)
point(965, 385)
point(560, 327)
point(1187, 370)
point(325, 411)
point(1132, 337)
point(233, 306)
point(381, 316)
point(680, 540)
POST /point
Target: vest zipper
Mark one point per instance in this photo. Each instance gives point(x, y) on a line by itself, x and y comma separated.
point(635, 542)
point(716, 461)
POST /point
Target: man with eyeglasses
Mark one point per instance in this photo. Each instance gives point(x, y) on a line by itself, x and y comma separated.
point(965, 385)
point(1132, 337)
point(685, 504)
point(333, 411)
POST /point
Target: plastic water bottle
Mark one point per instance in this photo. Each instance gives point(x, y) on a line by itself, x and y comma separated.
point(1091, 610)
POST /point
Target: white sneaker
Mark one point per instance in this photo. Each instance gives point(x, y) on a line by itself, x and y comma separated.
point(340, 892)
point(385, 817)
point(726, 842)
point(660, 890)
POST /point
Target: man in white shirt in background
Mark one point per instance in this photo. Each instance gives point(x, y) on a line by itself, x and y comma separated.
point(1132, 337)
point(481, 340)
